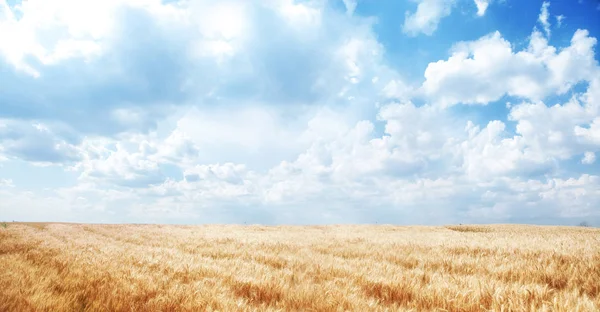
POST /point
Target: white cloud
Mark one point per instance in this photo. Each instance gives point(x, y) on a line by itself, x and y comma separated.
point(427, 17)
point(482, 71)
point(544, 136)
point(482, 6)
point(588, 158)
point(222, 20)
point(216, 135)
point(54, 31)
point(544, 16)
point(398, 89)
point(122, 162)
point(64, 29)
point(591, 133)
point(35, 142)
point(559, 20)
point(424, 164)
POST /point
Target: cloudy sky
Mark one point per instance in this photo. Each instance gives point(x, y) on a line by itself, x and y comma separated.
point(296, 112)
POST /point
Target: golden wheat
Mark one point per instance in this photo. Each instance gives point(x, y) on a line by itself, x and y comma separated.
point(76, 267)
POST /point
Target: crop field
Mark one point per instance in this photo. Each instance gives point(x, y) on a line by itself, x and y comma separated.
point(81, 267)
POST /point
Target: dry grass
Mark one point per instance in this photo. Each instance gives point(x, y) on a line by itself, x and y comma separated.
point(470, 228)
point(71, 267)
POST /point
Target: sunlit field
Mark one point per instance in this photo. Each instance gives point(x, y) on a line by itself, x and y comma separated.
point(76, 267)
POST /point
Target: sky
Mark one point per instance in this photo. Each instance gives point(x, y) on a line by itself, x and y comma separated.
point(300, 112)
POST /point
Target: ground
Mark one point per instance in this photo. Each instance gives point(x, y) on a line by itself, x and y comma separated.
point(82, 267)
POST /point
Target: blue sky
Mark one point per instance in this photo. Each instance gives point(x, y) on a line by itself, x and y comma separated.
point(300, 112)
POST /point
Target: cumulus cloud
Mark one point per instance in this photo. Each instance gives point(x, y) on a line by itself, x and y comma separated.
point(398, 89)
point(120, 163)
point(591, 133)
point(37, 143)
point(70, 29)
point(482, 6)
point(129, 84)
point(423, 158)
point(484, 70)
point(588, 158)
point(427, 17)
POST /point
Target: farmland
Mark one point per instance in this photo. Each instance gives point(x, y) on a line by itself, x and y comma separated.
point(86, 267)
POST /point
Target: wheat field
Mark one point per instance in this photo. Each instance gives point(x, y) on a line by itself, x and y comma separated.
point(78, 267)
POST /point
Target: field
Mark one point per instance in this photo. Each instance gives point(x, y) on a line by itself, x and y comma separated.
point(77, 267)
